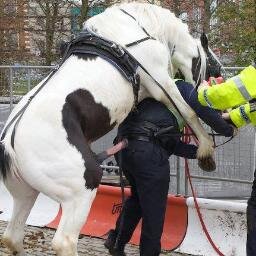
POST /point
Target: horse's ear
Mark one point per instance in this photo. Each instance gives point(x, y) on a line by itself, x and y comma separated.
point(204, 41)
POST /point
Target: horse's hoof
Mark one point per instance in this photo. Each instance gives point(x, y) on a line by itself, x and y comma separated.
point(207, 164)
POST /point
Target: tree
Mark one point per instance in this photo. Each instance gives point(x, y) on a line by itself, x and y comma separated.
point(237, 25)
point(58, 20)
point(230, 25)
point(49, 23)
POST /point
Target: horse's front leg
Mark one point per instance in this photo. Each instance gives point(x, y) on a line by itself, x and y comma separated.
point(205, 150)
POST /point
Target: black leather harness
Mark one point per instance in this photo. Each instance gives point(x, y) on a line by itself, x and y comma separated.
point(89, 43)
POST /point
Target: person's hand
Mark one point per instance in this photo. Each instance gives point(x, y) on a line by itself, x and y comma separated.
point(235, 130)
point(203, 85)
point(225, 115)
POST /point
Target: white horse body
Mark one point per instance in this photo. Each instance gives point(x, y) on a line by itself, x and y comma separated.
point(44, 160)
point(32, 138)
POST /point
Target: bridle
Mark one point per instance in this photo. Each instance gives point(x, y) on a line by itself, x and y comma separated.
point(148, 37)
point(198, 67)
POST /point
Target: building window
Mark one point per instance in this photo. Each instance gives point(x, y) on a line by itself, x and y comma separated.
point(10, 7)
point(14, 40)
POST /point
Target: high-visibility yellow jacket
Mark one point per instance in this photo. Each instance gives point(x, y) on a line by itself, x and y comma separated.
point(244, 114)
point(236, 91)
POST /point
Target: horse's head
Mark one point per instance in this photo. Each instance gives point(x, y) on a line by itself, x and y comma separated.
point(213, 65)
point(196, 62)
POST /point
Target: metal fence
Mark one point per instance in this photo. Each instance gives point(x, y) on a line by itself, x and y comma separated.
point(235, 160)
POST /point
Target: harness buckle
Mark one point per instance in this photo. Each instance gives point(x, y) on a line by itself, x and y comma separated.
point(119, 51)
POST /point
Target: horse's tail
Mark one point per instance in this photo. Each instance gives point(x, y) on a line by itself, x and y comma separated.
point(5, 161)
point(8, 162)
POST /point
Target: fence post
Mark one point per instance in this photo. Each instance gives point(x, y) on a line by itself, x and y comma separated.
point(178, 192)
point(11, 88)
point(29, 79)
point(186, 181)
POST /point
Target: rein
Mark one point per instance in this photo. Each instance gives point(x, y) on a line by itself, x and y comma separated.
point(211, 134)
point(144, 30)
point(143, 68)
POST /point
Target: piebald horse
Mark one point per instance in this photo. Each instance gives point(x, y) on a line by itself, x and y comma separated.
point(81, 102)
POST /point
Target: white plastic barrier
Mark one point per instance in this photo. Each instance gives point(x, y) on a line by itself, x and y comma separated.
point(226, 224)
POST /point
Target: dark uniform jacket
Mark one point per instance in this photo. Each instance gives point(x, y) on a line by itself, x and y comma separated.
point(152, 116)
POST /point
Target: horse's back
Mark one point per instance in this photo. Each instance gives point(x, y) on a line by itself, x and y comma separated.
point(41, 136)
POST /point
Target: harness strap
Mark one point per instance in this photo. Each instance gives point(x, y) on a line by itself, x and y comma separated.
point(139, 41)
point(21, 112)
point(160, 86)
point(90, 43)
point(144, 30)
point(137, 22)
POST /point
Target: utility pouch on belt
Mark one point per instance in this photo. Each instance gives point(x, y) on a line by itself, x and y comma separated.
point(149, 132)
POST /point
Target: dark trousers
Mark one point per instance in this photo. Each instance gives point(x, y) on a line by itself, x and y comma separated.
point(146, 166)
point(251, 222)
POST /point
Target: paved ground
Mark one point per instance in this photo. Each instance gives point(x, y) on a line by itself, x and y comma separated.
point(38, 243)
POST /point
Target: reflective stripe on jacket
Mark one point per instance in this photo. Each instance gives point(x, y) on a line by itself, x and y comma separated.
point(244, 114)
point(235, 91)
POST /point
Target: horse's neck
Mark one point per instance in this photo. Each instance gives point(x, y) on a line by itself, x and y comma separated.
point(117, 26)
point(160, 23)
point(123, 29)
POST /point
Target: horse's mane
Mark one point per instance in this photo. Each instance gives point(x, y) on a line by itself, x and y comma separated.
point(165, 27)
point(168, 29)
point(160, 22)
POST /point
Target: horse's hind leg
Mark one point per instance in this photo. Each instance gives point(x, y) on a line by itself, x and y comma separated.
point(74, 213)
point(24, 198)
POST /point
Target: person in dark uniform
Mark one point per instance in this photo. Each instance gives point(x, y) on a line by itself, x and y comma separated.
point(153, 135)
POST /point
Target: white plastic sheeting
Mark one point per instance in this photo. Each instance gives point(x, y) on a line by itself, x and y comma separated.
point(226, 224)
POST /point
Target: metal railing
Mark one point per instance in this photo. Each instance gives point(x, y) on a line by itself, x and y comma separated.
point(235, 161)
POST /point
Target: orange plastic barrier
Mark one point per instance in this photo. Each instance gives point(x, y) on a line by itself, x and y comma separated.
point(107, 206)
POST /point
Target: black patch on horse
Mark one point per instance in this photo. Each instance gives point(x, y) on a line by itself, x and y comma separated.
point(196, 69)
point(85, 121)
point(213, 68)
point(5, 161)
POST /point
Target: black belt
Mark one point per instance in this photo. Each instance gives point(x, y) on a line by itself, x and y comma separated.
point(141, 138)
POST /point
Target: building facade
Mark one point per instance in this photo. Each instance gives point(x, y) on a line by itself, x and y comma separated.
point(15, 41)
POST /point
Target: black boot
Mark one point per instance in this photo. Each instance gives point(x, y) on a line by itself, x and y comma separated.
point(111, 239)
point(110, 244)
